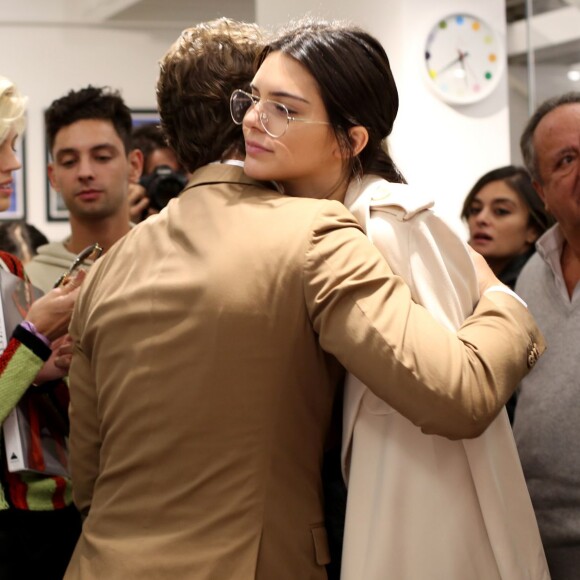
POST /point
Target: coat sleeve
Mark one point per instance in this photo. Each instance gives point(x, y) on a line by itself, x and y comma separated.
point(447, 383)
point(84, 442)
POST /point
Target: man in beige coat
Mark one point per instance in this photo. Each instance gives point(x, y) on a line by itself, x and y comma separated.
point(210, 342)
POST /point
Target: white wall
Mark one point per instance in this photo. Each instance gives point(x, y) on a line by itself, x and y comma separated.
point(48, 61)
point(439, 148)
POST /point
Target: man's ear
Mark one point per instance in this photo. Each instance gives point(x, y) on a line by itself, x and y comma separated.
point(359, 137)
point(136, 165)
point(540, 191)
point(50, 173)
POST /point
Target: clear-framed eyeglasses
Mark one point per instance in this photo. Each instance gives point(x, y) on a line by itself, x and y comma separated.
point(92, 252)
point(274, 117)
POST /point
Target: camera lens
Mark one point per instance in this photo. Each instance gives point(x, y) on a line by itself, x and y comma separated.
point(163, 185)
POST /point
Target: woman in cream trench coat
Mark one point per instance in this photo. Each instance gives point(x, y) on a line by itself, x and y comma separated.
point(422, 506)
point(419, 506)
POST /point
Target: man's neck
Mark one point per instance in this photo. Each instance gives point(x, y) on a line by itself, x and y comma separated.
point(570, 262)
point(105, 231)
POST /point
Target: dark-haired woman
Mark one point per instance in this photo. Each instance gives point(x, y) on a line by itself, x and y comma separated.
point(505, 217)
point(322, 104)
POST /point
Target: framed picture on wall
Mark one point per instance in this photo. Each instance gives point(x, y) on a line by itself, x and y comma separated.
point(55, 208)
point(17, 209)
point(144, 117)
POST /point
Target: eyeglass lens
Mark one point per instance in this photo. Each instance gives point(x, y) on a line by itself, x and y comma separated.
point(273, 116)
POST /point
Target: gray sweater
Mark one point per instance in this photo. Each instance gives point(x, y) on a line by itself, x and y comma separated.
point(547, 420)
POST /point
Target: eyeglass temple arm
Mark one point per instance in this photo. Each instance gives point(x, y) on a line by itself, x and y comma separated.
point(92, 252)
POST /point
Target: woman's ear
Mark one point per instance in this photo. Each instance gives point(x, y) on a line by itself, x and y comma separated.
point(359, 137)
point(532, 234)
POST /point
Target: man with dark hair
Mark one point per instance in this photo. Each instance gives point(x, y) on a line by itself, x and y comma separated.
point(210, 341)
point(92, 162)
point(545, 425)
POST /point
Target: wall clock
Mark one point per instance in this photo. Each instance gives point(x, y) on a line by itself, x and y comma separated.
point(465, 59)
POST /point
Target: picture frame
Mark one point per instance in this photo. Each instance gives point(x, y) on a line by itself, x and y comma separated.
point(17, 209)
point(56, 210)
point(144, 117)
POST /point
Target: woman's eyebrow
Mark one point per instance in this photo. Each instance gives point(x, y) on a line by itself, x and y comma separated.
point(504, 200)
point(290, 96)
point(284, 94)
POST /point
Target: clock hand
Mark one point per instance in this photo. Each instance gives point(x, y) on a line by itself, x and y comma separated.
point(470, 71)
point(459, 59)
point(464, 69)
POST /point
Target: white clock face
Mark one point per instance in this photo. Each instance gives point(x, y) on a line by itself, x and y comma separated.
point(464, 58)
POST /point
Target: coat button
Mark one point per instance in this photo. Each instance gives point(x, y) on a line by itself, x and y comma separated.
point(533, 355)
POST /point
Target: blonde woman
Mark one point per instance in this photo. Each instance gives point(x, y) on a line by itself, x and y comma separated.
point(39, 525)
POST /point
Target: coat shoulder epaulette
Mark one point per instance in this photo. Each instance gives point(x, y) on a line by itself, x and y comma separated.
point(400, 199)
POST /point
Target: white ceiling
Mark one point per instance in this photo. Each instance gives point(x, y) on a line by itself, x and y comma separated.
point(186, 11)
point(555, 31)
point(134, 13)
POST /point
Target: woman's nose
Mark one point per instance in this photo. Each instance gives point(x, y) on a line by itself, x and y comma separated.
point(482, 216)
point(250, 115)
point(253, 118)
point(9, 161)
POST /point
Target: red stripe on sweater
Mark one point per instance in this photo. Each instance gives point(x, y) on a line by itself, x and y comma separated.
point(17, 489)
point(13, 263)
point(8, 354)
point(58, 496)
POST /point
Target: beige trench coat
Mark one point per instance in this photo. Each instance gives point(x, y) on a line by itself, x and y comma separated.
point(422, 506)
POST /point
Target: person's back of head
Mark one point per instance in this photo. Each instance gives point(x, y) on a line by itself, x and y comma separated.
point(21, 240)
point(356, 84)
point(198, 75)
point(89, 103)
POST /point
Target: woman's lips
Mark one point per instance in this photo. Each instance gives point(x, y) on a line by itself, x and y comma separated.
point(6, 188)
point(252, 148)
point(481, 237)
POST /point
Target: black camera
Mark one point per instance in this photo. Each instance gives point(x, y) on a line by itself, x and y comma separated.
point(162, 185)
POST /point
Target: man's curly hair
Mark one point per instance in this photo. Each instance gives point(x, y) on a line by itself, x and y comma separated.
point(198, 75)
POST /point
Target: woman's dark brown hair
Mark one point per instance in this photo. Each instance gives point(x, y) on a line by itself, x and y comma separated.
point(356, 85)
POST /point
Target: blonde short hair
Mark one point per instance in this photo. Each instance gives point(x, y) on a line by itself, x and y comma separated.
point(12, 108)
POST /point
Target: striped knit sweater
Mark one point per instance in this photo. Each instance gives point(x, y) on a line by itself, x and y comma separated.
point(19, 364)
